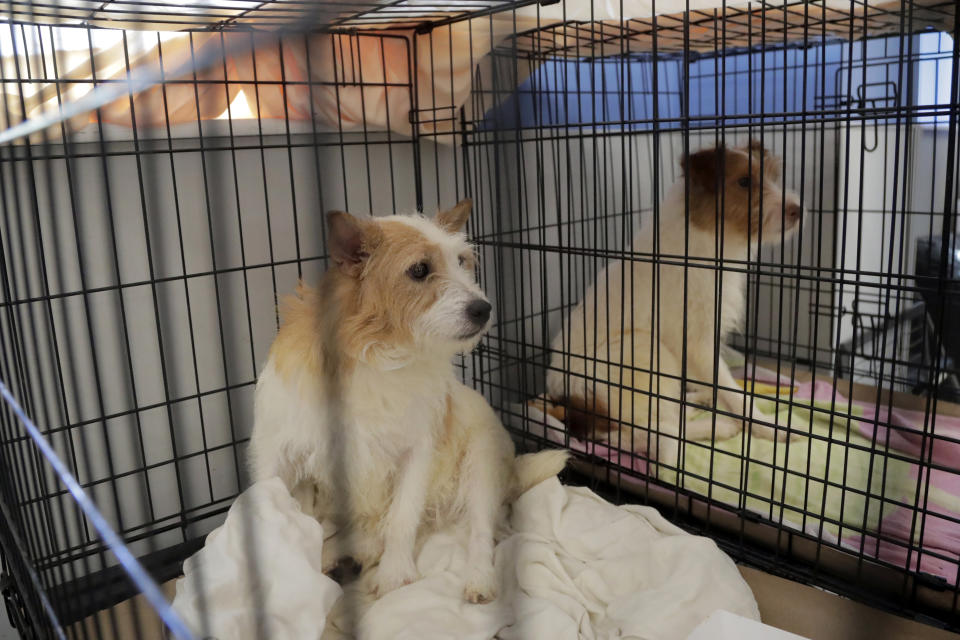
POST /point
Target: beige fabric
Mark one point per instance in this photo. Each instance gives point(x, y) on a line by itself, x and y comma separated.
point(339, 80)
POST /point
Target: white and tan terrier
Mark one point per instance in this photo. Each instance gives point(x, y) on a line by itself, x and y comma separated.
point(359, 411)
point(626, 342)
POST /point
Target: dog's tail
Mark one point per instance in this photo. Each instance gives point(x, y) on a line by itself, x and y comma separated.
point(534, 468)
point(585, 418)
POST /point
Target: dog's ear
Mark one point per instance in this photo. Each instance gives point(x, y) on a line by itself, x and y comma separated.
point(703, 168)
point(350, 241)
point(757, 147)
point(771, 163)
point(453, 220)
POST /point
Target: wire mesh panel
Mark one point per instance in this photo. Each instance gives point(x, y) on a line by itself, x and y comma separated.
point(162, 176)
point(837, 337)
point(145, 246)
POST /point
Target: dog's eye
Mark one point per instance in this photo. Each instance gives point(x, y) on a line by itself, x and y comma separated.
point(465, 261)
point(419, 271)
point(744, 182)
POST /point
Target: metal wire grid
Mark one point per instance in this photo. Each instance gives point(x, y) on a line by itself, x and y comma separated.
point(140, 289)
point(505, 167)
point(743, 26)
point(583, 149)
point(780, 20)
point(245, 14)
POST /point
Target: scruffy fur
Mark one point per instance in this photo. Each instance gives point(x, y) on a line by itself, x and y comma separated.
point(358, 409)
point(736, 202)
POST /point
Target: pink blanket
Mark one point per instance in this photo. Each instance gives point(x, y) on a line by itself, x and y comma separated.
point(933, 440)
point(915, 526)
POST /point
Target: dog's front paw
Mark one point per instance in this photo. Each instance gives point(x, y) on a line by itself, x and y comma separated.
point(394, 572)
point(665, 450)
point(727, 427)
point(760, 427)
point(481, 587)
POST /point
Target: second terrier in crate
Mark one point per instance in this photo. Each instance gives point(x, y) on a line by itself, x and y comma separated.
point(359, 411)
point(619, 360)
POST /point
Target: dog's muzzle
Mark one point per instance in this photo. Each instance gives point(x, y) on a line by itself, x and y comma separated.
point(477, 314)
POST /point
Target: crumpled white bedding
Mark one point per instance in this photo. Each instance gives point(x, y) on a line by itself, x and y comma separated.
point(571, 566)
point(227, 592)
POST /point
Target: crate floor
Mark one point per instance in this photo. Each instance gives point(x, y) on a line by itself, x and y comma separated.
point(854, 483)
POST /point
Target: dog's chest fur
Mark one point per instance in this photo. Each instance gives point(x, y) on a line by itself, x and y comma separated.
point(619, 319)
point(355, 434)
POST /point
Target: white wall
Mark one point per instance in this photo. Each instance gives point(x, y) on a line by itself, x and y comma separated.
point(893, 196)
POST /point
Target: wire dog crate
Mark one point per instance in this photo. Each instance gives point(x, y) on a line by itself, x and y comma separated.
point(163, 172)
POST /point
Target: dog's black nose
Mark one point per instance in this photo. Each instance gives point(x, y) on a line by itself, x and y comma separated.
point(479, 311)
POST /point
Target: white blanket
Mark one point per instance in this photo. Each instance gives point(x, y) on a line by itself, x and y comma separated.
point(571, 566)
point(278, 592)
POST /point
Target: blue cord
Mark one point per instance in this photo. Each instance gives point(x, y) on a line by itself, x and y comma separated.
point(133, 568)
